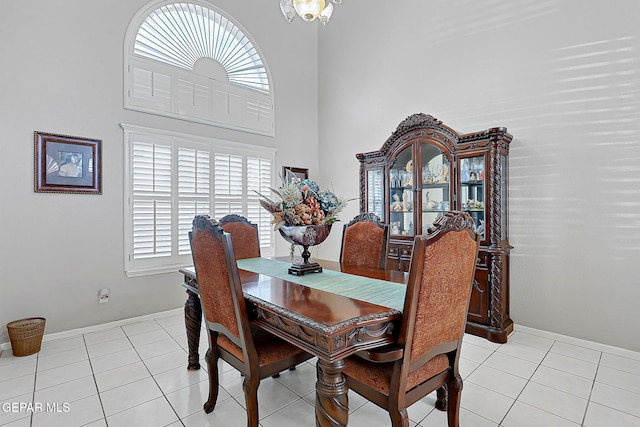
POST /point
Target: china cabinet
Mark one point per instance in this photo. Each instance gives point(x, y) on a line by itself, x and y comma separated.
point(425, 168)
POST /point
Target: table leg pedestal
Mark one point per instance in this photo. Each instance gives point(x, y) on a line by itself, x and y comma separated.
point(193, 321)
point(332, 402)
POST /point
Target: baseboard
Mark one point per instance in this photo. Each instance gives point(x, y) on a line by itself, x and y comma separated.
point(623, 352)
point(103, 326)
point(605, 348)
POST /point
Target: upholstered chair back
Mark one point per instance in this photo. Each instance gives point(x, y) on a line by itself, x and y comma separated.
point(439, 288)
point(244, 236)
point(426, 355)
point(218, 281)
point(254, 352)
point(364, 242)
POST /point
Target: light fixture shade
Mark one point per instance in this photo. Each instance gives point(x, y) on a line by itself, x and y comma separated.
point(326, 14)
point(289, 12)
point(309, 9)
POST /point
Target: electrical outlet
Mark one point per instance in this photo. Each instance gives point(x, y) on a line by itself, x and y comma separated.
point(104, 298)
point(104, 295)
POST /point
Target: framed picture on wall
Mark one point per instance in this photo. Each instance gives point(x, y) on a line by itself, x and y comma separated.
point(299, 173)
point(67, 164)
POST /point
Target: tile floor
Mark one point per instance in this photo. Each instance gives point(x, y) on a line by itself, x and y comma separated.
point(135, 375)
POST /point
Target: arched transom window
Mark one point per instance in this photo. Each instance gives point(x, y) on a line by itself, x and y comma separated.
point(182, 34)
point(189, 61)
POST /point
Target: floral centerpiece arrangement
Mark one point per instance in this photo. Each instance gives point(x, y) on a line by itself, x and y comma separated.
point(303, 215)
point(302, 203)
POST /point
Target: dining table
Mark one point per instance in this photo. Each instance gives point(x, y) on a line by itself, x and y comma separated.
point(332, 314)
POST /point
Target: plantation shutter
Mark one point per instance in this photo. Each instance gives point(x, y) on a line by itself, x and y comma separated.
point(193, 192)
point(173, 177)
point(150, 86)
point(229, 185)
point(375, 196)
point(151, 167)
point(259, 180)
point(165, 73)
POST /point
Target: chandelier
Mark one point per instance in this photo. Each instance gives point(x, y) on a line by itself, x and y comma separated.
point(308, 9)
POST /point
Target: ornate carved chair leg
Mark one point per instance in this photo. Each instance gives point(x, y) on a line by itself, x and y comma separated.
point(332, 404)
point(250, 387)
point(441, 398)
point(399, 418)
point(454, 389)
point(193, 322)
point(212, 368)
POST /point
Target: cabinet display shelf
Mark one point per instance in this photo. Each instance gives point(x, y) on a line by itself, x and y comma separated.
point(425, 169)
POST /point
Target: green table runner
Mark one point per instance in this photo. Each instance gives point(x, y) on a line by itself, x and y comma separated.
point(374, 291)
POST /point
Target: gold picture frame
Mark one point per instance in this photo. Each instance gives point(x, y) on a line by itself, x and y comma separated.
point(67, 164)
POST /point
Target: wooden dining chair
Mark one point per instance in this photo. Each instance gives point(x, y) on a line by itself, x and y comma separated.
point(244, 235)
point(426, 355)
point(254, 352)
point(364, 242)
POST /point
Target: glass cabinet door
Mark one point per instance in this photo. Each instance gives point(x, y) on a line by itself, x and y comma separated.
point(375, 192)
point(472, 190)
point(435, 181)
point(401, 190)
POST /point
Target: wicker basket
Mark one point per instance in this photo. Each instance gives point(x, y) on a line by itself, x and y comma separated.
point(26, 335)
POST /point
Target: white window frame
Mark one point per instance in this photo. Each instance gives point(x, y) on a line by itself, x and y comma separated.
point(163, 264)
point(164, 88)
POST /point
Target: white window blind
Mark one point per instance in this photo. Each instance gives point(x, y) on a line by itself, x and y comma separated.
point(182, 33)
point(259, 180)
point(192, 61)
point(237, 178)
point(229, 184)
point(173, 177)
point(193, 192)
point(375, 189)
point(151, 200)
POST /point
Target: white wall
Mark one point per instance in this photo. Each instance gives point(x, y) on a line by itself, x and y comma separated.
point(62, 72)
point(563, 77)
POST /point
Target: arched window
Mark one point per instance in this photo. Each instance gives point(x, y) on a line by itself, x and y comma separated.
point(189, 61)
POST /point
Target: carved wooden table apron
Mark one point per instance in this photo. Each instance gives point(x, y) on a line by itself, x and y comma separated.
point(326, 324)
